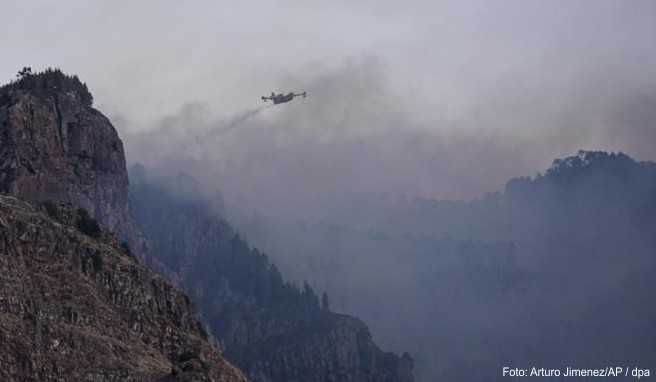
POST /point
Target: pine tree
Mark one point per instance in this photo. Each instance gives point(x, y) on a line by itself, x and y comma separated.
point(325, 303)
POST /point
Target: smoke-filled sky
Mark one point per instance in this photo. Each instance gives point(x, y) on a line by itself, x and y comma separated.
point(445, 99)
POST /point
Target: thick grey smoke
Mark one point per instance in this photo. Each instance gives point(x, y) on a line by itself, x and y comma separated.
point(354, 135)
point(311, 182)
point(440, 99)
point(233, 123)
point(545, 78)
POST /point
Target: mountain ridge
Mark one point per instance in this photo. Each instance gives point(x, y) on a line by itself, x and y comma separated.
point(274, 330)
point(525, 274)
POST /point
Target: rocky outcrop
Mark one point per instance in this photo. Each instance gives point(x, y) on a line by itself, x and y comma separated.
point(329, 347)
point(74, 307)
point(55, 146)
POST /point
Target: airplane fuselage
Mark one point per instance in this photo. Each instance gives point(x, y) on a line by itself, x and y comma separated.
point(282, 98)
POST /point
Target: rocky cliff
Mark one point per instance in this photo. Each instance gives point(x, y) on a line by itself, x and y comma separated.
point(273, 330)
point(75, 304)
point(75, 307)
point(55, 146)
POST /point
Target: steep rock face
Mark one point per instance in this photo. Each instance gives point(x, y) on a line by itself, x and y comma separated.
point(73, 307)
point(55, 146)
point(273, 330)
point(329, 347)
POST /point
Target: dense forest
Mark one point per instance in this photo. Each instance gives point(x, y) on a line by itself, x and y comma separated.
point(224, 261)
point(274, 329)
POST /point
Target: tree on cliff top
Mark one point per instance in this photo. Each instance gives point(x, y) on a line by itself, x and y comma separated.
point(49, 82)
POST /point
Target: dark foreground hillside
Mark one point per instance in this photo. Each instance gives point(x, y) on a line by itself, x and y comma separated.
point(75, 307)
point(74, 303)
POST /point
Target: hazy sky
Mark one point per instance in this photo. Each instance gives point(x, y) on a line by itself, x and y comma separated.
point(434, 98)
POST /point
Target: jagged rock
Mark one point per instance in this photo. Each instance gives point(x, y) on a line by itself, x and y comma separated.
point(55, 146)
point(331, 347)
point(76, 308)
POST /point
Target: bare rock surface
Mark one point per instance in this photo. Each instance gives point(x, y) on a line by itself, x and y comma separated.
point(54, 146)
point(78, 308)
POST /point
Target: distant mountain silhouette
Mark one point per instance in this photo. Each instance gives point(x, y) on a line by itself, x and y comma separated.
point(554, 268)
